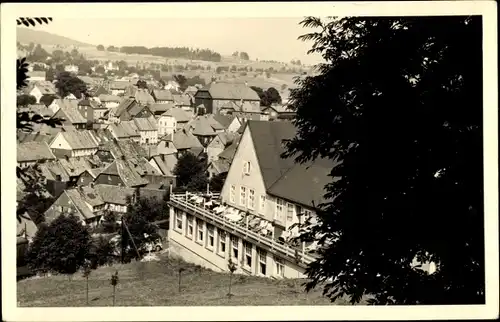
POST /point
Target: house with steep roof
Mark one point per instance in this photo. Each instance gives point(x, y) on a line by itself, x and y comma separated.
point(76, 166)
point(100, 90)
point(141, 95)
point(91, 110)
point(69, 111)
point(115, 197)
point(159, 108)
point(205, 128)
point(129, 172)
point(230, 123)
point(89, 81)
point(219, 143)
point(117, 88)
point(279, 112)
point(148, 129)
point(172, 120)
point(261, 182)
point(30, 153)
point(162, 96)
point(128, 109)
point(215, 95)
point(74, 143)
point(182, 101)
point(217, 167)
point(165, 164)
point(109, 101)
point(39, 89)
point(116, 149)
point(183, 141)
point(124, 130)
point(84, 202)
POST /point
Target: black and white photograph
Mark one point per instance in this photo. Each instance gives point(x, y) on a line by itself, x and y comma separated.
point(282, 159)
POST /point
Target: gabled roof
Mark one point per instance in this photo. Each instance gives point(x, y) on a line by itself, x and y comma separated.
point(283, 176)
point(80, 139)
point(34, 151)
point(221, 165)
point(69, 109)
point(231, 91)
point(160, 108)
point(311, 177)
point(109, 98)
point(124, 147)
point(178, 114)
point(50, 170)
point(125, 105)
point(162, 95)
point(141, 95)
point(229, 152)
point(224, 120)
point(130, 171)
point(45, 87)
point(181, 100)
point(86, 79)
point(83, 198)
point(146, 123)
point(267, 139)
point(203, 126)
point(227, 138)
point(101, 91)
point(185, 140)
point(166, 163)
point(125, 129)
point(114, 194)
point(75, 166)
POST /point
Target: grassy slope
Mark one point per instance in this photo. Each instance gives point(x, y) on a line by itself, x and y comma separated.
point(156, 284)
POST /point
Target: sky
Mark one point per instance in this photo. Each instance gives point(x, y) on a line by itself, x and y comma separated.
point(263, 38)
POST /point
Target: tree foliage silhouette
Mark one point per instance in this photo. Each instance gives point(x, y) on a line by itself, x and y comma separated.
point(399, 110)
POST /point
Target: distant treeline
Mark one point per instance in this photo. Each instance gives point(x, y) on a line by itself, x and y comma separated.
point(174, 52)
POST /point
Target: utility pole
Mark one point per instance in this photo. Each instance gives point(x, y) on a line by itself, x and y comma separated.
point(123, 242)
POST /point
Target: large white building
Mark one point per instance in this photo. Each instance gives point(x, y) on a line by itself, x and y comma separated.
point(260, 188)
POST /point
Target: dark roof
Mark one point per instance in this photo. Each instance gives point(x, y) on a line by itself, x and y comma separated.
point(311, 177)
point(224, 120)
point(185, 140)
point(160, 108)
point(229, 152)
point(178, 114)
point(69, 109)
point(109, 98)
point(166, 163)
point(267, 139)
point(101, 91)
point(130, 170)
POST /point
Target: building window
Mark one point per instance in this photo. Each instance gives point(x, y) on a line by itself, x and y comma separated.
point(222, 241)
point(279, 209)
point(234, 244)
point(251, 199)
point(246, 168)
point(199, 225)
point(178, 220)
point(262, 261)
point(189, 231)
point(280, 266)
point(210, 233)
point(262, 204)
point(289, 212)
point(243, 195)
point(232, 196)
point(248, 254)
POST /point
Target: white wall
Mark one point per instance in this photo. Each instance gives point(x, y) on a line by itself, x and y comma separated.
point(194, 251)
point(111, 104)
point(245, 152)
point(150, 136)
point(166, 125)
point(60, 143)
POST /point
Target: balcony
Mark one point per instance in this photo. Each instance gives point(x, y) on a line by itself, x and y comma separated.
point(208, 208)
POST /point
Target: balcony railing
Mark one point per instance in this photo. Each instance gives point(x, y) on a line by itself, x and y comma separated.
point(182, 199)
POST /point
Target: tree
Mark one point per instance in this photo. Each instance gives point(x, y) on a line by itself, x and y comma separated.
point(58, 56)
point(100, 69)
point(113, 49)
point(191, 172)
point(233, 68)
point(403, 119)
point(273, 95)
point(50, 74)
point(39, 54)
point(60, 247)
point(142, 84)
point(47, 99)
point(139, 231)
point(217, 181)
point(25, 100)
point(67, 83)
point(100, 47)
point(244, 56)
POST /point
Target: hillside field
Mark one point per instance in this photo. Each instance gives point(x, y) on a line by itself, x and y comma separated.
point(156, 284)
